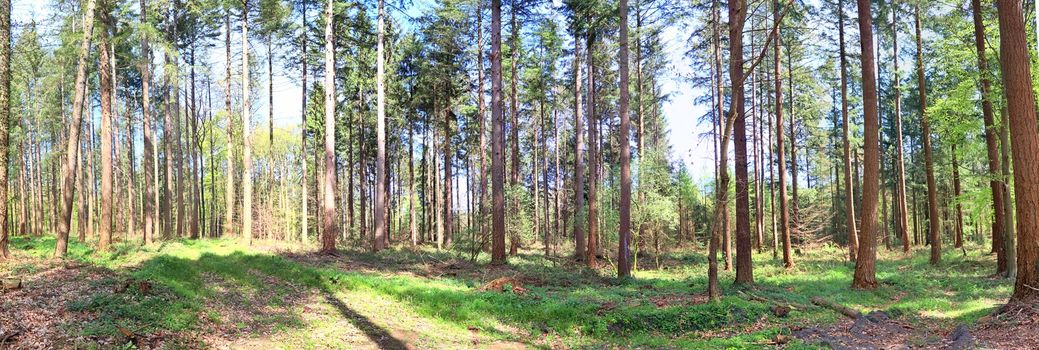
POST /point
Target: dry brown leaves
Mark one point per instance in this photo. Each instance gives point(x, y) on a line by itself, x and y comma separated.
point(498, 285)
point(36, 315)
point(1013, 326)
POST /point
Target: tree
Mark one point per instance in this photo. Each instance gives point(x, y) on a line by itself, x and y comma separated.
point(784, 211)
point(105, 78)
point(1017, 81)
point(744, 264)
point(593, 164)
point(304, 188)
point(934, 224)
point(865, 274)
point(624, 253)
point(68, 168)
point(903, 209)
point(328, 232)
point(991, 139)
point(381, 226)
point(5, 116)
point(247, 150)
point(229, 187)
point(849, 196)
point(151, 222)
point(579, 241)
point(497, 140)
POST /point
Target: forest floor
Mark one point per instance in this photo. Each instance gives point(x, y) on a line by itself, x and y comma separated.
point(225, 295)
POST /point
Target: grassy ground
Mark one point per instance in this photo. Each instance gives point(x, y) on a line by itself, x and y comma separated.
point(217, 293)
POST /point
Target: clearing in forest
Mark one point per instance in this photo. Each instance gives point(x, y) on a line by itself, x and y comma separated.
point(222, 294)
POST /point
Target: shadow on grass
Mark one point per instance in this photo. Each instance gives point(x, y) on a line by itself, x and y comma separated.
point(375, 333)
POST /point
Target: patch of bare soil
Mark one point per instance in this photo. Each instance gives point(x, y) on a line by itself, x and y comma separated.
point(877, 331)
point(663, 301)
point(1012, 326)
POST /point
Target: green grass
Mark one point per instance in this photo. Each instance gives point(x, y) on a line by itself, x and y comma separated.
point(572, 305)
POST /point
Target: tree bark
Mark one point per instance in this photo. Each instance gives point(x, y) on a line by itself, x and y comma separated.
point(304, 190)
point(482, 116)
point(514, 175)
point(784, 211)
point(105, 77)
point(996, 183)
point(247, 153)
point(1025, 147)
point(623, 250)
point(865, 275)
point(934, 222)
point(497, 134)
point(957, 189)
point(593, 152)
point(744, 264)
point(381, 226)
point(229, 189)
point(5, 116)
point(68, 171)
point(579, 195)
point(849, 193)
point(328, 233)
point(903, 208)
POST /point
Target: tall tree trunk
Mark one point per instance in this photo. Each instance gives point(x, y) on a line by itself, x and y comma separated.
point(68, 171)
point(5, 116)
point(903, 208)
point(514, 44)
point(1022, 116)
point(247, 153)
point(149, 192)
point(381, 226)
point(756, 149)
point(1008, 239)
point(780, 150)
point(593, 151)
point(991, 141)
point(304, 190)
point(934, 222)
point(482, 116)
point(579, 196)
point(744, 264)
point(229, 190)
point(795, 206)
point(865, 275)
point(497, 135)
point(558, 176)
point(623, 251)
point(448, 165)
point(720, 192)
point(411, 182)
point(194, 151)
point(957, 191)
point(177, 147)
point(166, 208)
point(328, 235)
point(107, 99)
point(849, 193)
point(212, 231)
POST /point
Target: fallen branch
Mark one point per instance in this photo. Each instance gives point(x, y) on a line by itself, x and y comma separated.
point(844, 310)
